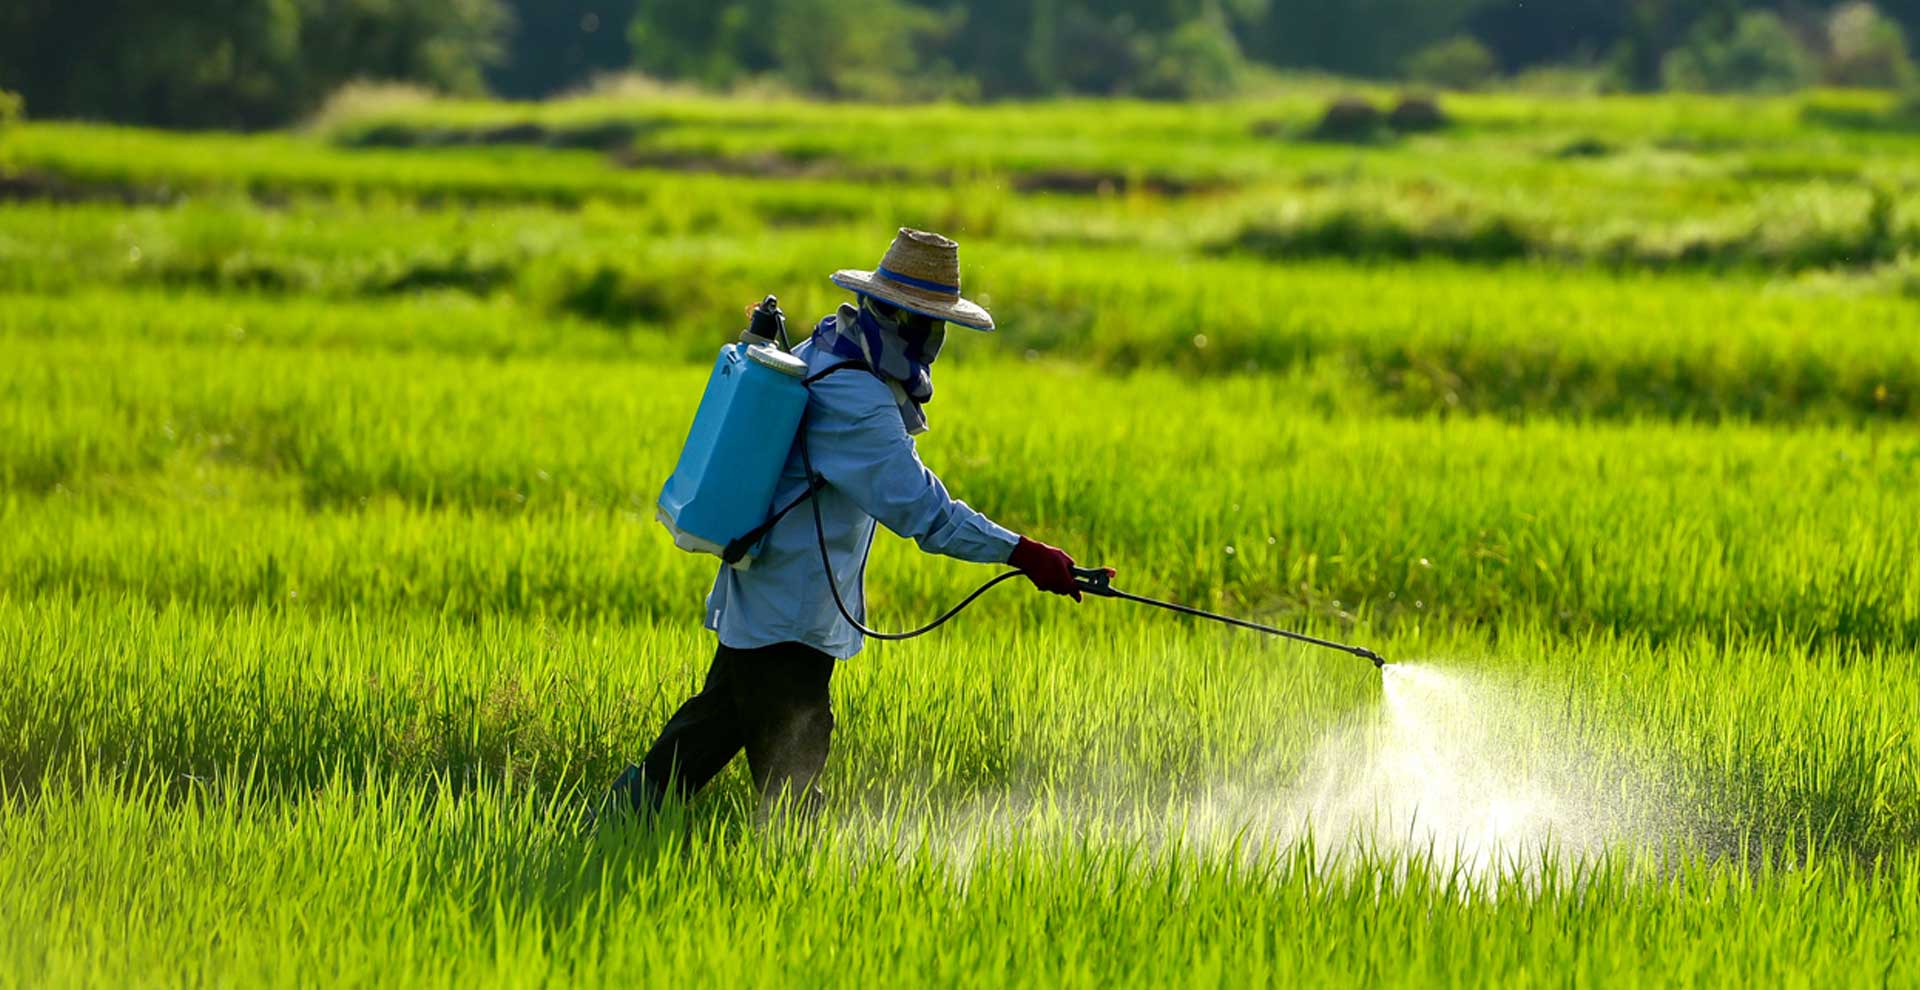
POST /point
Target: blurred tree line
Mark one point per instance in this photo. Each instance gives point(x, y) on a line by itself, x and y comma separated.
point(253, 63)
point(234, 63)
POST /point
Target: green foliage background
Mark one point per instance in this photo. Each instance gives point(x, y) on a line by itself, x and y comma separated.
point(256, 63)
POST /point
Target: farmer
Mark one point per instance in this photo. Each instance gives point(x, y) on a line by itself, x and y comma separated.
point(779, 627)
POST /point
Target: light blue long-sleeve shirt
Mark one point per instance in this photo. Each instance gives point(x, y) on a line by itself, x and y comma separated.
point(860, 445)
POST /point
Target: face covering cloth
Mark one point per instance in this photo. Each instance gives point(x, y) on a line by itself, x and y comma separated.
point(903, 362)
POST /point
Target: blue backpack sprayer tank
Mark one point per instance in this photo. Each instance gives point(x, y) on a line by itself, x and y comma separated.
point(740, 439)
point(719, 499)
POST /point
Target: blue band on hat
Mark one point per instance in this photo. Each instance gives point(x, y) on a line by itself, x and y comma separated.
point(918, 283)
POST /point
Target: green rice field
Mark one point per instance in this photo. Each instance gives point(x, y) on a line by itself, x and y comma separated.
point(331, 597)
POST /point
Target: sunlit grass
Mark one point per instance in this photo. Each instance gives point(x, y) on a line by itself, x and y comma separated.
point(259, 792)
point(1519, 338)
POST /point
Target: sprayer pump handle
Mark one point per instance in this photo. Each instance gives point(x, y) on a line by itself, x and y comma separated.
point(768, 324)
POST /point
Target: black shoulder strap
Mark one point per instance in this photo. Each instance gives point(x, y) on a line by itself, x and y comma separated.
point(738, 547)
point(830, 369)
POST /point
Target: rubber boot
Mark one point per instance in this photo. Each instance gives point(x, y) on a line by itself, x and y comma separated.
point(632, 795)
point(787, 806)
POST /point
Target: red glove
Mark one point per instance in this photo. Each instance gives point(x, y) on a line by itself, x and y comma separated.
point(1049, 568)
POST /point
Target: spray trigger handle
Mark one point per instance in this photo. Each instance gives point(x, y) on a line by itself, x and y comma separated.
point(1095, 581)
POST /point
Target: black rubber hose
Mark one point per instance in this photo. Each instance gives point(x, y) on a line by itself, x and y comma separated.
point(826, 562)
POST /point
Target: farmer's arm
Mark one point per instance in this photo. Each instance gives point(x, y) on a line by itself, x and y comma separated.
point(859, 444)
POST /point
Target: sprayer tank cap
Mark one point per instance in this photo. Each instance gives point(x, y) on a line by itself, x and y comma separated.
point(778, 360)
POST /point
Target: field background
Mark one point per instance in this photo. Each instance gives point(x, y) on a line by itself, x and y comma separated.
point(330, 594)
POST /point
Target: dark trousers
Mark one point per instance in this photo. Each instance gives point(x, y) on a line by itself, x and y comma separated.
point(770, 701)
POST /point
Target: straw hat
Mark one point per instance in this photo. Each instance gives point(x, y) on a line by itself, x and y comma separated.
point(921, 274)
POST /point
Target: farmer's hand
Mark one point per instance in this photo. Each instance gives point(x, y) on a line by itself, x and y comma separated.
point(1049, 568)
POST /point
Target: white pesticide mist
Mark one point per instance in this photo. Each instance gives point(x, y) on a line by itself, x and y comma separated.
point(1475, 774)
point(1467, 771)
point(1458, 768)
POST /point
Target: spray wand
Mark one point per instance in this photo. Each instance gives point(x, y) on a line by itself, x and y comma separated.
point(1096, 581)
point(1091, 580)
